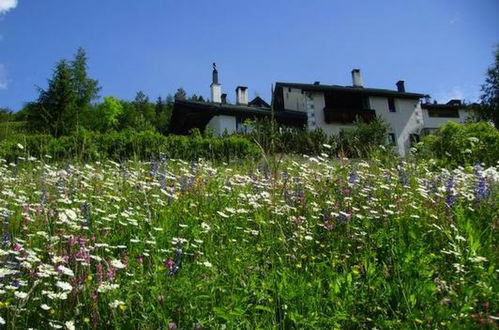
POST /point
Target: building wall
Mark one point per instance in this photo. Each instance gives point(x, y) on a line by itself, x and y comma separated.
point(318, 104)
point(222, 124)
point(406, 120)
point(436, 122)
point(294, 99)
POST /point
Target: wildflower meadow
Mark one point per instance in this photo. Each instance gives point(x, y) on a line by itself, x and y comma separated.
point(310, 243)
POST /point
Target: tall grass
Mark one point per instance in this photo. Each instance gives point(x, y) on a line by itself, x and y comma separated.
point(317, 244)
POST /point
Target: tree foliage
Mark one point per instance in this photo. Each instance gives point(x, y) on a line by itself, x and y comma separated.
point(54, 112)
point(69, 93)
point(490, 93)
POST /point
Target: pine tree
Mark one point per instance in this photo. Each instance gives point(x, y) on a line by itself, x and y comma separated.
point(180, 94)
point(86, 89)
point(57, 105)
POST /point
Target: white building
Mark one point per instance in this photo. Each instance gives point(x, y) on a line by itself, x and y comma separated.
point(221, 117)
point(334, 108)
point(436, 115)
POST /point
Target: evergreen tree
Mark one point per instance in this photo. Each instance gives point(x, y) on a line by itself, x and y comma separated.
point(56, 106)
point(180, 94)
point(86, 89)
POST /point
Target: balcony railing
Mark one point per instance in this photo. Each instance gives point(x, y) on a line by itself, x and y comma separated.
point(347, 116)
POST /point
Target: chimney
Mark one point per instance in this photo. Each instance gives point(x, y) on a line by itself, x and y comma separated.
point(216, 88)
point(224, 98)
point(242, 95)
point(356, 78)
point(400, 86)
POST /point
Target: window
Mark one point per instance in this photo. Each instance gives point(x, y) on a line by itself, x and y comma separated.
point(443, 113)
point(391, 104)
point(391, 139)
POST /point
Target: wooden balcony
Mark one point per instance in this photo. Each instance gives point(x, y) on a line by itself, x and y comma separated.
point(347, 116)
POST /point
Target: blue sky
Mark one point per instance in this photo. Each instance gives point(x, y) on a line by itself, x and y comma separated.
point(439, 47)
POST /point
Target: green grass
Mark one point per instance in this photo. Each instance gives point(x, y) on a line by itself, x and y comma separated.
point(313, 244)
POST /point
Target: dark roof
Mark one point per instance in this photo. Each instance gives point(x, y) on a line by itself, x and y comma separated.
point(452, 104)
point(190, 114)
point(259, 102)
point(360, 90)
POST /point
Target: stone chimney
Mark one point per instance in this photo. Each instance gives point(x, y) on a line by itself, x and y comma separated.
point(216, 88)
point(356, 78)
point(400, 86)
point(242, 95)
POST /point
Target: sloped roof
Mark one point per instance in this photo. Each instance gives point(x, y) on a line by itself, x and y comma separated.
point(352, 89)
point(191, 114)
point(259, 102)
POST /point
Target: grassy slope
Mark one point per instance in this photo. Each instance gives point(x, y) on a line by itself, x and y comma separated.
point(321, 245)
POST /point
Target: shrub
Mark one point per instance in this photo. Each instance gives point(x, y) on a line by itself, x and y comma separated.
point(128, 144)
point(462, 144)
point(357, 142)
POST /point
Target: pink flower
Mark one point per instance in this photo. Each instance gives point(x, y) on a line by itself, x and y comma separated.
point(169, 263)
point(111, 273)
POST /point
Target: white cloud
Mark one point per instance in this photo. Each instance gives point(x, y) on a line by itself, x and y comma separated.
point(3, 77)
point(6, 5)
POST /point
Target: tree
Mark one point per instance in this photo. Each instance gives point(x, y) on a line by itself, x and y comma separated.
point(86, 89)
point(107, 113)
point(69, 94)
point(54, 112)
point(163, 115)
point(144, 108)
point(490, 93)
point(5, 115)
point(180, 94)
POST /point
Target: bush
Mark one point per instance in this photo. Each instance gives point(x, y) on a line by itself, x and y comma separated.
point(358, 142)
point(462, 144)
point(363, 139)
point(143, 145)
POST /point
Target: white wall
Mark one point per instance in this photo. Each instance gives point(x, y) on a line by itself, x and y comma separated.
point(294, 99)
point(222, 124)
point(436, 122)
point(216, 93)
point(406, 120)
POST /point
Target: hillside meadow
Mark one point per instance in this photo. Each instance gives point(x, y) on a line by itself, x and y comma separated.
point(307, 243)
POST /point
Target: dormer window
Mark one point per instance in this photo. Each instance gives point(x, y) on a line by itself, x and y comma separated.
point(391, 104)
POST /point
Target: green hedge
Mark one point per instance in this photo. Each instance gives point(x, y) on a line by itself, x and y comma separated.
point(128, 144)
point(462, 144)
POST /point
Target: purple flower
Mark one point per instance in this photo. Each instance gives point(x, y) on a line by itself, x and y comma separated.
point(451, 198)
point(481, 189)
point(352, 178)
